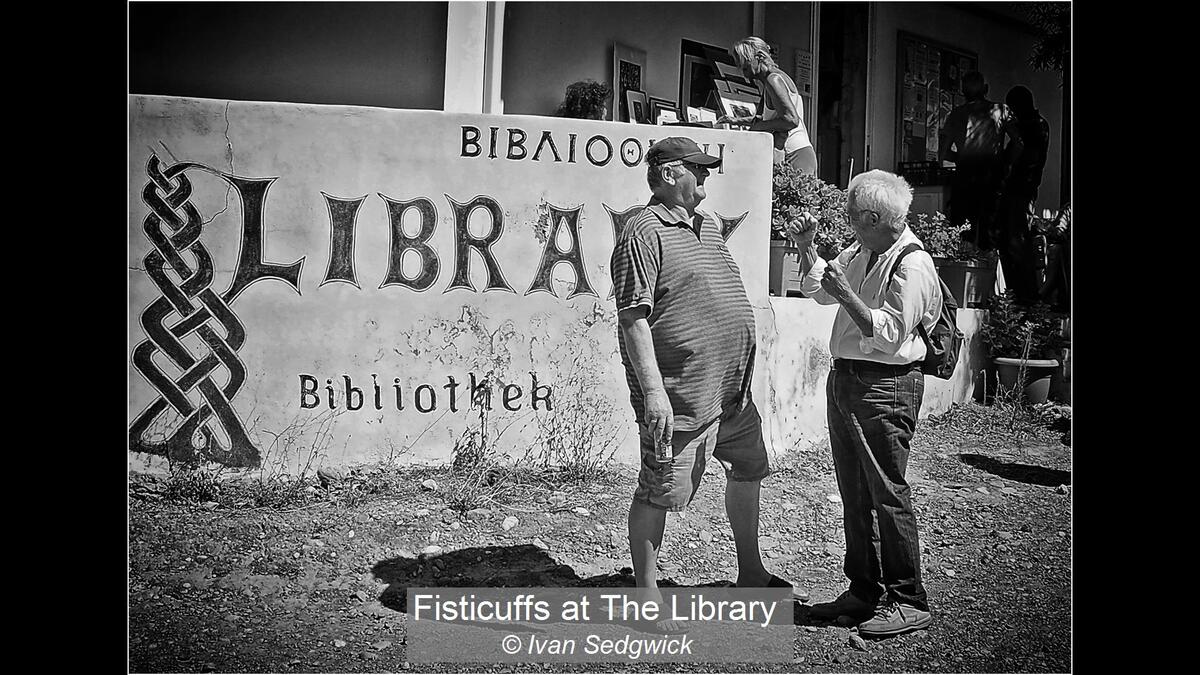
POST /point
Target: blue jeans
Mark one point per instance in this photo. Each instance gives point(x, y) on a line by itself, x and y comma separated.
point(872, 412)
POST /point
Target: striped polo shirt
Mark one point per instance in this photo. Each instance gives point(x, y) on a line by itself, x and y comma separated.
point(700, 317)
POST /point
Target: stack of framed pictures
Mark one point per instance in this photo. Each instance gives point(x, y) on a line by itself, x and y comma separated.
point(701, 67)
point(734, 98)
point(663, 111)
point(701, 116)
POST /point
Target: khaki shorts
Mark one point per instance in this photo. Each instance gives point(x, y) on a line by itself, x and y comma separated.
point(737, 443)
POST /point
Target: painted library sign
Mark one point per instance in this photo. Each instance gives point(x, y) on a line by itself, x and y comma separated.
point(367, 284)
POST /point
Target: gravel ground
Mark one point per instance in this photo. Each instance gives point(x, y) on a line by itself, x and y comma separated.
point(320, 587)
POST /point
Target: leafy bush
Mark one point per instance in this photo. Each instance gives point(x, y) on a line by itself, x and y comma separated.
point(941, 239)
point(1011, 325)
point(793, 192)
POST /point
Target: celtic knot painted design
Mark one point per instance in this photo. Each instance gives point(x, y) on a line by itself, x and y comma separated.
point(189, 307)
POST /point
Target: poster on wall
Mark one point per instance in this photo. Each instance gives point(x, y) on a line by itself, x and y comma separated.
point(629, 66)
point(804, 71)
point(929, 80)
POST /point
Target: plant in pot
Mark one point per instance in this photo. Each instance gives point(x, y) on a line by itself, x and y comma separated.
point(792, 193)
point(969, 272)
point(1025, 343)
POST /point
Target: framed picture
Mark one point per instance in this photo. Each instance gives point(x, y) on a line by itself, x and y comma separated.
point(729, 71)
point(629, 73)
point(667, 117)
point(696, 80)
point(736, 106)
point(697, 69)
point(637, 107)
point(703, 116)
point(661, 106)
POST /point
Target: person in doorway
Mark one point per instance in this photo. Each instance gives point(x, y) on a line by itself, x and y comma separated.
point(687, 340)
point(782, 109)
point(973, 137)
point(586, 99)
point(1018, 202)
point(1055, 288)
point(873, 397)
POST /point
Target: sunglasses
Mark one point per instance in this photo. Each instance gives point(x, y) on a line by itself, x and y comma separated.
point(694, 168)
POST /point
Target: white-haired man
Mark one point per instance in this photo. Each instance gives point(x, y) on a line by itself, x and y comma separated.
point(873, 397)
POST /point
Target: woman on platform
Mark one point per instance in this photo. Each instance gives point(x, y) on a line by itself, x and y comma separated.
point(782, 110)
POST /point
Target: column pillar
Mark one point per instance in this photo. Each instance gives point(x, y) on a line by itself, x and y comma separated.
point(474, 51)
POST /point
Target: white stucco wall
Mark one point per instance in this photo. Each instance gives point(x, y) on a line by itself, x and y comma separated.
point(326, 329)
point(794, 416)
point(266, 351)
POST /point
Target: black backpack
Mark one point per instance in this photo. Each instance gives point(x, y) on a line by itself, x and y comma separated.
point(943, 342)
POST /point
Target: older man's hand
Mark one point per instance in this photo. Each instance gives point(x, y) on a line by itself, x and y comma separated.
point(660, 418)
point(834, 281)
point(802, 232)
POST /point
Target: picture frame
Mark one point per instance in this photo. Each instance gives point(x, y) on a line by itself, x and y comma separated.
point(629, 73)
point(736, 106)
point(728, 71)
point(659, 106)
point(702, 116)
point(697, 71)
point(695, 80)
point(637, 106)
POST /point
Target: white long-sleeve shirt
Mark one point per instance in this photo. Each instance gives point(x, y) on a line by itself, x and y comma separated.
point(913, 295)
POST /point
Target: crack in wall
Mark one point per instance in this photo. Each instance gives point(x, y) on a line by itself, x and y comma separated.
point(168, 150)
point(232, 169)
point(228, 141)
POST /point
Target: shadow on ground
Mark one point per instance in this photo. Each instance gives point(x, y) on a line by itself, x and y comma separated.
point(518, 566)
point(523, 565)
point(1021, 473)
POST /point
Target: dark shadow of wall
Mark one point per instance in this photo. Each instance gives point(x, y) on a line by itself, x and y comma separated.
point(384, 54)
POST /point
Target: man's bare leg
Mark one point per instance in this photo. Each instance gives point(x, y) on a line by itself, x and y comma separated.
point(741, 506)
point(646, 525)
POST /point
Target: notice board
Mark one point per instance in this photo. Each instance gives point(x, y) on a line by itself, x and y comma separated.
point(929, 86)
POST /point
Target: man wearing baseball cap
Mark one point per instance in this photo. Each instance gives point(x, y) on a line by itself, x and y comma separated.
point(687, 338)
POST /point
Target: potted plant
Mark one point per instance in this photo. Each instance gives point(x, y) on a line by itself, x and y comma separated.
point(1025, 343)
point(793, 192)
point(969, 273)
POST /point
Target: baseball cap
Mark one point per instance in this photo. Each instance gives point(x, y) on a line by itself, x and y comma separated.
point(676, 148)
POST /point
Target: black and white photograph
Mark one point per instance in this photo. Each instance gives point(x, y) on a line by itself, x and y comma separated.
point(663, 110)
point(637, 106)
point(629, 65)
point(650, 337)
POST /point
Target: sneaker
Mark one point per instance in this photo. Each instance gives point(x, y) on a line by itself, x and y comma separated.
point(894, 618)
point(846, 604)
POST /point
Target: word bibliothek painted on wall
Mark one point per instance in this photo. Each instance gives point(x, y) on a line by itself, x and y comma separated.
point(469, 294)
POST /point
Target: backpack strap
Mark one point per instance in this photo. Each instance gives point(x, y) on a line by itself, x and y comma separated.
point(891, 275)
point(903, 252)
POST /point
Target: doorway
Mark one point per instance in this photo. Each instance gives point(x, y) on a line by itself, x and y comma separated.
point(842, 91)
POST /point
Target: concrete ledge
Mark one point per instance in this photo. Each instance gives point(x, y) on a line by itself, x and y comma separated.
point(794, 334)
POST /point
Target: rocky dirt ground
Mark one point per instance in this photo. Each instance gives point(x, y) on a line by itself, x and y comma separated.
point(214, 587)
